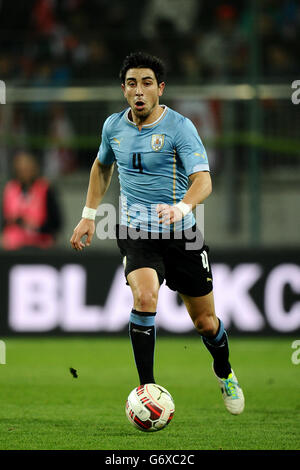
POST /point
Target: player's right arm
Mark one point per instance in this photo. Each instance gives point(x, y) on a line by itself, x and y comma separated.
point(100, 177)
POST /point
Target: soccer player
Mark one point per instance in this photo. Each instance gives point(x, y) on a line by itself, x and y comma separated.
point(164, 174)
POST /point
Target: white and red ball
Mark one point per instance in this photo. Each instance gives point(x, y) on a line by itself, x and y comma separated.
point(150, 407)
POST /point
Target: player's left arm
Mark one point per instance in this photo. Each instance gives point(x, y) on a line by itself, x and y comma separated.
point(199, 190)
point(191, 151)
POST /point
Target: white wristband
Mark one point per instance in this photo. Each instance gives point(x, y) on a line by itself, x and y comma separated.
point(89, 213)
point(184, 208)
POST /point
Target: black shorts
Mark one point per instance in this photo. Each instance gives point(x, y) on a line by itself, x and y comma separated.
point(182, 262)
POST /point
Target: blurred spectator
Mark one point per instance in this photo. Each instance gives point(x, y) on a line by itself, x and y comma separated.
point(183, 17)
point(278, 38)
point(43, 16)
point(60, 158)
point(57, 42)
point(30, 212)
point(222, 50)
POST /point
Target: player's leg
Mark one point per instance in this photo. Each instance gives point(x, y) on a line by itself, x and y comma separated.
point(188, 270)
point(202, 312)
point(144, 272)
point(214, 336)
point(144, 285)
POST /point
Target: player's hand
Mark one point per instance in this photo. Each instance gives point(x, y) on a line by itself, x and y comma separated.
point(85, 227)
point(168, 214)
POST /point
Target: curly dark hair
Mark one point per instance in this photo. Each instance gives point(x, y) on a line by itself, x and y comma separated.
point(137, 60)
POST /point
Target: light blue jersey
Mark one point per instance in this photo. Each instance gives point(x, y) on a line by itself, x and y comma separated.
point(154, 164)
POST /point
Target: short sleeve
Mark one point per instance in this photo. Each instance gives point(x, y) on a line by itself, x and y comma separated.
point(190, 148)
point(105, 153)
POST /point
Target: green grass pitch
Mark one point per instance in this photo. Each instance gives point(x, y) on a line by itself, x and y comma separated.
point(44, 407)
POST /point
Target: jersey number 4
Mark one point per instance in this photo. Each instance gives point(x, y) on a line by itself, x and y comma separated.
point(137, 162)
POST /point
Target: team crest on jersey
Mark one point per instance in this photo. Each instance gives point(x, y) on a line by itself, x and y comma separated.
point(157, 142)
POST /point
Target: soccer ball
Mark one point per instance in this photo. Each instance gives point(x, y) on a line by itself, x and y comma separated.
point(150, 407)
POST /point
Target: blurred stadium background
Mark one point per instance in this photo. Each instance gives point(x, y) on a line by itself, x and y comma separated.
point(231, 66)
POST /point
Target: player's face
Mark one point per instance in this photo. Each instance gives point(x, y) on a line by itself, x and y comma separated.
point(142, 92)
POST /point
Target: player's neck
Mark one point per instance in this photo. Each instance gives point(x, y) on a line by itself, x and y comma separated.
point(151, 118)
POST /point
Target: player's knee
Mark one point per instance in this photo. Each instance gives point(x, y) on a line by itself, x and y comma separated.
point(145, 300)
point(206, 325)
